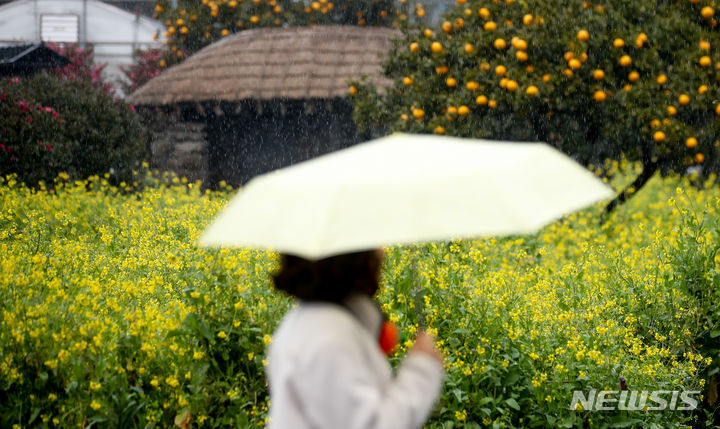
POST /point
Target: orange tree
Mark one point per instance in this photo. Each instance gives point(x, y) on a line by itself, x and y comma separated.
point(197, 23)
point(638, 78)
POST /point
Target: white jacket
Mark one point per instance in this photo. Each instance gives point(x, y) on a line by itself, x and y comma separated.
point(326, 371)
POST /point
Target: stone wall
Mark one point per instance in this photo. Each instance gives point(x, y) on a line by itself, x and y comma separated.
point(179, 146)
point(233, 142)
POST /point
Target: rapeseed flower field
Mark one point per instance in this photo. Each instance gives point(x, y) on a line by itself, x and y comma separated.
point(111, 316)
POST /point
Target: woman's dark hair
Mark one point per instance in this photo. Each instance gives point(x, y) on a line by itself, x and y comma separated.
point(331, 279)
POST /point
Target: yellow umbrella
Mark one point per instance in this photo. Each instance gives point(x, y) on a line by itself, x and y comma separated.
point(405, 189)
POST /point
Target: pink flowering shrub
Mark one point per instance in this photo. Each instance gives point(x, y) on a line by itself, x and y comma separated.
point(82, 65)
point(31, 135)
point(146, 67)
point(51, 124)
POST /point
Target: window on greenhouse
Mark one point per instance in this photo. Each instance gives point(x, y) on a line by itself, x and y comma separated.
point(59, 28)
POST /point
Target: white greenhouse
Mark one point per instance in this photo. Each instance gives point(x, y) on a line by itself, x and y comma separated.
point(114, 33)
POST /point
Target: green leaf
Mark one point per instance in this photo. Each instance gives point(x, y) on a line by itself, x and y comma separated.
point(458, 394)
point(512, 403)
point(626, 423)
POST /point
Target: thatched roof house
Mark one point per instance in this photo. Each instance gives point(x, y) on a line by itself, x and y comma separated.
point(269, 97)
point(273, 63)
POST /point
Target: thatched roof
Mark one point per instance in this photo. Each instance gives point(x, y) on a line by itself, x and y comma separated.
point(273, 63)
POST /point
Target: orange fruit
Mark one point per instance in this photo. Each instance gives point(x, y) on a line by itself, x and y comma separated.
point(661, 80)
point(511, 85)
point(568, 72)
point(469, 48)
point(655, 123)
point(529, 69)
point(446, 26)
point(481, 100)
point(583, 35)
point(484, 66)
point(415, 47)
point(484, 13)
point(633, 76)
point(452, 110)
point(671, 110)
point(574, 63)
point(699, 158)
point(598, 74)
point(500, 44)
point(599, 96)
point(408, 81)
point(404, 117)
point(468, 12)
point(490, 26)
point(618, 43)
point(627, 87)
point(451, 82)
point(569, 55)
point(463, 110)
point(500, 70)
point(532, 90)
point(519, 44)
point(492, 104)
point(503, 82)
point(418, 113)
point(459, 23)
point(702, 89)
point(472, 86)
point(704, 45)
point(684, 99)
point(717, 109)
point(428, 33)
point(659, 136)
point(705, 61)
point(691, 143)
point(353, 90)
point(625, 61)
point(707, 12)
point(521, 55)
point(527, 19)
point(441, 69)
point(436, 47)
point(439, 130)
point(546, 78)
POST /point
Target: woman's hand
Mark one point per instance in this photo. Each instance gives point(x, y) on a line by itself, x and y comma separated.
point(425, 343)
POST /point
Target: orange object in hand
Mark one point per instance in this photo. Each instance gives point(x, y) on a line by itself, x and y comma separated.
point(388, 337)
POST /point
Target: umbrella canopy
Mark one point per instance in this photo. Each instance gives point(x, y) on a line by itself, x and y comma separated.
point(405, 189)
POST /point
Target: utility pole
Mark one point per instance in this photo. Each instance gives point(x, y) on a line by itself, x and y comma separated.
point(83, 29)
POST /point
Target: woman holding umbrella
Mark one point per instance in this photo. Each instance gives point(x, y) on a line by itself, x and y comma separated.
point(326, 364)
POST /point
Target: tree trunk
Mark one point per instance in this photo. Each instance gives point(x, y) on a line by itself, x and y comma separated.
point(649, 168)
